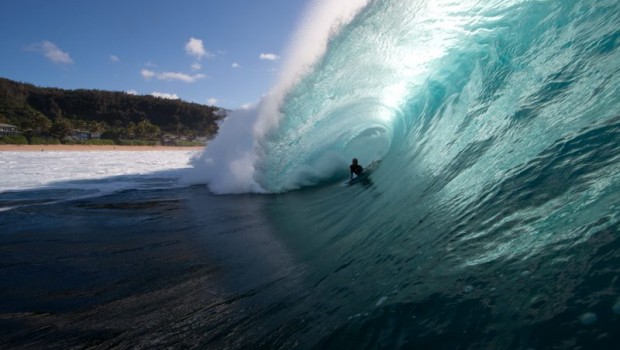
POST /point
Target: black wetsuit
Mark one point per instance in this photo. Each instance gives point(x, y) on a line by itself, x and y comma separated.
point(356, 169)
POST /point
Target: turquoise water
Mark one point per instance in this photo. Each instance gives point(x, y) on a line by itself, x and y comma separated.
point(500, 118)
point(491, 222)
point(498, 130)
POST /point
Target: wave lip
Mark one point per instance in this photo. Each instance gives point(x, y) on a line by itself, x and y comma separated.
point(228, 164)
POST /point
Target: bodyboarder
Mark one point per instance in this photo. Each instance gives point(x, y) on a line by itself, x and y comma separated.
point(355, 168)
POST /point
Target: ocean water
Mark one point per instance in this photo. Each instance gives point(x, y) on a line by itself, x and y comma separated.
point(491, 221)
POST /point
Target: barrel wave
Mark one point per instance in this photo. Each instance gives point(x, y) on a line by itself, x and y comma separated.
point(419, 83)
point(496, 126)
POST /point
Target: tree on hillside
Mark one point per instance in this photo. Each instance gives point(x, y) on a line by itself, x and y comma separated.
point(36, 124)
point(97, 127)
point(61, 128)
point(146, 130)
point(91, 126)
point(54, 108)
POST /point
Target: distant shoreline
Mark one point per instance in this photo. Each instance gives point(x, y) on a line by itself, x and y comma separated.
point(82, 148)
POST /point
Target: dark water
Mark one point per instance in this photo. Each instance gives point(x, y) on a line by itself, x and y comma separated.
point(182, 268)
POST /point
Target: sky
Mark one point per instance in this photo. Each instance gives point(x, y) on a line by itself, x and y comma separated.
point(225, 53)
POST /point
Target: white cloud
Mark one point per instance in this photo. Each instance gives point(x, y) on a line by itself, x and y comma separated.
point(52, 52)
point(236, 65)
point(194, 47)
point(171, 76)
point(165, 95)
point(147, 74)
point(212, 101)
point(269, 56)
point(196, 66)
point(114, 58)
point(131, 92)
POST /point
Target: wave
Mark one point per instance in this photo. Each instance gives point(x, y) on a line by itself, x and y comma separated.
point(428, 87)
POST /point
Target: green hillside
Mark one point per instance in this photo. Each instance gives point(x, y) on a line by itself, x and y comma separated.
point(56, 114)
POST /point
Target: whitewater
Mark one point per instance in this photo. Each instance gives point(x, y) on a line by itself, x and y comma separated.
point(490, 222)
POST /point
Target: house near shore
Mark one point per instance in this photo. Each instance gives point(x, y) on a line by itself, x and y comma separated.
point(82, 135)
point(201, 139)
point(8, 129)
point(171, 140)
point(168, 140)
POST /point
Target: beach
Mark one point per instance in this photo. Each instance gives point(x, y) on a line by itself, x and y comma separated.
point(81, 148)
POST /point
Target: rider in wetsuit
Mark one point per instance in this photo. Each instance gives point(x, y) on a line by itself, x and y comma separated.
point(355, 168)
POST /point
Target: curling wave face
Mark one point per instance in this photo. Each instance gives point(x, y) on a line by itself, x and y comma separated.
point(428, 87)
point(461, 102)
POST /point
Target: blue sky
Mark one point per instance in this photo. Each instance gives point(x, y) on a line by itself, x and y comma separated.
point(222, 52)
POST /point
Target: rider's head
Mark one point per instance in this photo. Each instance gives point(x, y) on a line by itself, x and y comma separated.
point(354, 160)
